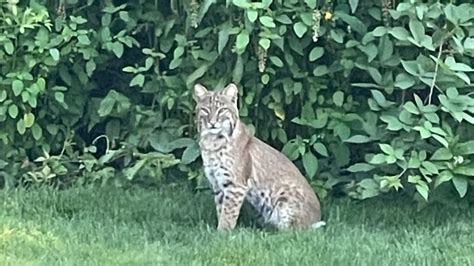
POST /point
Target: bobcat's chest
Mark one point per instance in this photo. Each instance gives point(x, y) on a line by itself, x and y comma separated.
point(217, 169)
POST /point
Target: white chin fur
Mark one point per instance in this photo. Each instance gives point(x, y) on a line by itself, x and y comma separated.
point(214, 130)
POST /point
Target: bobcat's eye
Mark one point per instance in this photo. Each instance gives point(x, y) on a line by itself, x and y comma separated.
point(222, 111)
point(203, 111)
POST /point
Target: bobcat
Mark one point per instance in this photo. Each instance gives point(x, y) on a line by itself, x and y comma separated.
point(239, 166)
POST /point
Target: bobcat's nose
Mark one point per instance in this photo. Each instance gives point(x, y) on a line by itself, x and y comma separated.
point(212, 123)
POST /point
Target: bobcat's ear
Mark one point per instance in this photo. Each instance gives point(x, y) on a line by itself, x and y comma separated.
point(231, 92)
point(199, 92)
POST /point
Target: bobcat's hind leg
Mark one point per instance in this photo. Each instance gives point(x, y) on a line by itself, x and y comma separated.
point(282, 216)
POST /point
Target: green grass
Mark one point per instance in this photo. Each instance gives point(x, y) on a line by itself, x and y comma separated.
point(174, 226)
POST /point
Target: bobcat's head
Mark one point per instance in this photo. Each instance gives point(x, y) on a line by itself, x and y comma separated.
point(216, 111)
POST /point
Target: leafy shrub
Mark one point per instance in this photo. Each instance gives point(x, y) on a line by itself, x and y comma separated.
point(365, 97)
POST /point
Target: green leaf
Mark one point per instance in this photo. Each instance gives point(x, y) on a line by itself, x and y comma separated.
point(190, 154)
point(343, 131)
point(404, 81)
point(460, 183)
point(337, 36)
point(311, 3)
point(399, 33)
point(411, 107)
point(430, 167)
point(441, 154)
point(3, 95)
point(242, 41)
point(387, 149)
point(316, 53)
point(370, 188)
point(223, 38)
point(424, 133)
point(464, 148)
point(264, 43)
point(13, 111)
point(467, 170)
point(414, 161)
point(276, 61)
point(78, 20)
point(290, 149)
point(469, 44)
point(166, 146)
point(20, 126)
point(138, 80)
point(353, 4)
point(300, 29)
point(356, 24)
point(414, 179)
point(443, 177)
point(238, 70)
point(375, 74)
point(59, 96)
point(90, 67)
point(9, 48)
point(451, 14)
point(117, 48)
point(411, 67)
point(320, 71)
point(379, 98)
point(310, 164)
point(284, 19)
point(454, 66)
point(360, 167)
point(83, 39)
point(17, 87)
point(423, 190)
point(178, 52)
point(417, 30)
point(321, 149)
point(267, 21)
point(241, 3)
point(29, 119)
point(358, 139)
point(441, 140)
point(338, 98)
point(54, 53)
point(131, 172)
point(198, 73)
point(378, 159)
point(379, 31)
point(36, 131)
point(176, 62)
point(107, 104)
point(393, 123)
point(370, 50)
point(252, 15)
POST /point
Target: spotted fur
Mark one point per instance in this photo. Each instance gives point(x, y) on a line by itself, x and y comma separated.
point(241, 167)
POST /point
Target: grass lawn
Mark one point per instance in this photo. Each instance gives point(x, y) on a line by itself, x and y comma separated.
point(175, 226)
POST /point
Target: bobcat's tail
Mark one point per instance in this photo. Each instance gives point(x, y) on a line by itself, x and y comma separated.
point(318, 224)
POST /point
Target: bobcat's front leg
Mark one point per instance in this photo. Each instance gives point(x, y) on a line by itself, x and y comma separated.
point(234, 196)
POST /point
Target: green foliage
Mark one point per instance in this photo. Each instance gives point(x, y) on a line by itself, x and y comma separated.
point(365, 98)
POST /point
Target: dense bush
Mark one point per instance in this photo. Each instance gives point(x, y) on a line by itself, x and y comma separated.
point(366, 97)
